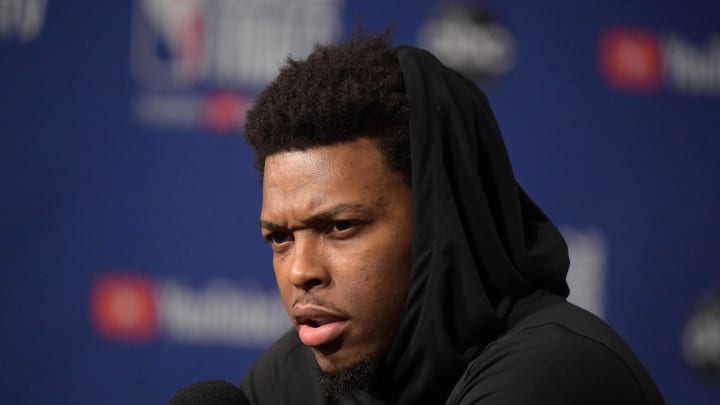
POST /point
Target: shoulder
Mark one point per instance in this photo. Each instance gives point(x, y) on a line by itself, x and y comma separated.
point(285, 370)
point(558, 354)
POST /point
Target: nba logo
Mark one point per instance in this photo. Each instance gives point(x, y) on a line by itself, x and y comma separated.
point(169, 43)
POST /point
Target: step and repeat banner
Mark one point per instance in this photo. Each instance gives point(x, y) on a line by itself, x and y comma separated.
point(132, 262)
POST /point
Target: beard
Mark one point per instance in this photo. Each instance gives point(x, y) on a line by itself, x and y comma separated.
point(360, 376)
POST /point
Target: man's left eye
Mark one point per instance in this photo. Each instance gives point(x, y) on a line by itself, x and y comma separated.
point(342, 225)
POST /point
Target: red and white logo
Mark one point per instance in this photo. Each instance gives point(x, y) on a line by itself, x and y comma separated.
point(136, 308)
point(123, 307)
point(640, 60)
point(631, 59)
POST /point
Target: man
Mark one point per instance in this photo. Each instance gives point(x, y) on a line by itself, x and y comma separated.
point(413, 266)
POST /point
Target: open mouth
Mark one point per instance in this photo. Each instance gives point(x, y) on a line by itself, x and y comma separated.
point(319, 331)
point(316, 322)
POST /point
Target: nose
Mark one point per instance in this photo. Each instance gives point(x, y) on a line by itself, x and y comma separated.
point(307, 267)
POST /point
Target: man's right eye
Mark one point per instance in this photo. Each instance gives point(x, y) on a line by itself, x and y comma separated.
point(279, 237)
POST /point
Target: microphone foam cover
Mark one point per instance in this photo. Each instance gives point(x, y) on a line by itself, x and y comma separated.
point(211, 392)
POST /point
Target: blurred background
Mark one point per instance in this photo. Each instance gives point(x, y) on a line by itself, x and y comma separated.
point(131, 259)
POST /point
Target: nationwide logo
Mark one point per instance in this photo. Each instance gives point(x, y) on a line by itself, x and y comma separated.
point(197, 62)
point(136, 308)
point(470, 40)
point(22, 19)
point(640, 60)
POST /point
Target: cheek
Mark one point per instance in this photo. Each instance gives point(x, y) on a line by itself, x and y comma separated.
point(374, 276)
point(353, 270)
point(286, 289)
point(394, 274)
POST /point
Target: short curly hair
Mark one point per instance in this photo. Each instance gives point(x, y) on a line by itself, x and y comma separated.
point(339, 93)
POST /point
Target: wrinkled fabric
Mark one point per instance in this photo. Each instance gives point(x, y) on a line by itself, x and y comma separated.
point(478, 239)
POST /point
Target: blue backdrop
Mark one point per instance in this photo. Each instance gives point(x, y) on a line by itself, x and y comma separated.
point(132, 263)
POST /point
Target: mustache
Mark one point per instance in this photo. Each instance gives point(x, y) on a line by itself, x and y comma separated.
point(317, 301)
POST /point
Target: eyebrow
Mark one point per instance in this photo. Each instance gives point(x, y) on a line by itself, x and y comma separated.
point(329, 214)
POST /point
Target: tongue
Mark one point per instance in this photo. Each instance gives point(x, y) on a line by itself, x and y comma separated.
point(320, 335)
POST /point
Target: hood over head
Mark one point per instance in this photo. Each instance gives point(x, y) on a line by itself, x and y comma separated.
point(479, 242)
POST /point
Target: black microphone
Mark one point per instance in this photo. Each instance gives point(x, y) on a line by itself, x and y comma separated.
point(211, 392)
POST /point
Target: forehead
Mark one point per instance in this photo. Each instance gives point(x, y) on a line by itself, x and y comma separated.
point(351, 172)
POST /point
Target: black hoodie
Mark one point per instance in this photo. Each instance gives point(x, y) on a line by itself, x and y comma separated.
point(486, 320)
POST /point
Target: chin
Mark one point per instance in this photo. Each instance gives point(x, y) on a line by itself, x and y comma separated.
point(337, 380)
point(333, 363)
point(338, 361)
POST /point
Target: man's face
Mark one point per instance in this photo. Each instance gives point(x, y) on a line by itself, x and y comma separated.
point(340, 224)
